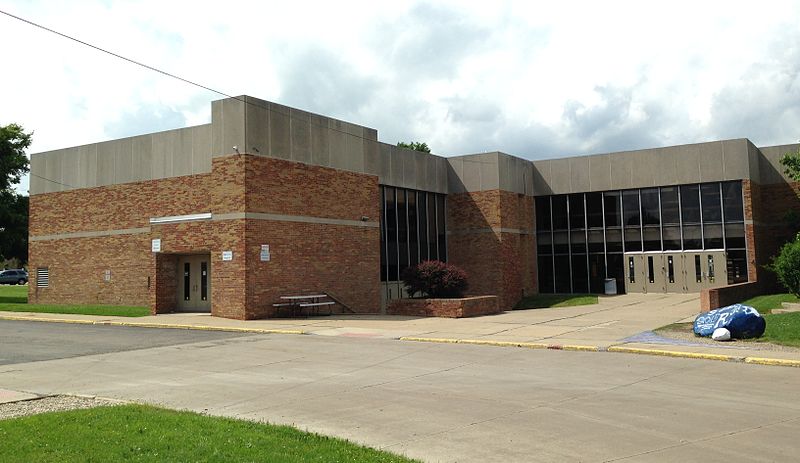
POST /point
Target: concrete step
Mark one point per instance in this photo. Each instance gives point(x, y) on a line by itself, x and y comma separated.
point(788, 307)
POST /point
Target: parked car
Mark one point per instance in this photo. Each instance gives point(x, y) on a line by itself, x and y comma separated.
point(13, 277)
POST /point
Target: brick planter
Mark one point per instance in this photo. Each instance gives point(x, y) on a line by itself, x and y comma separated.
point(449, 308)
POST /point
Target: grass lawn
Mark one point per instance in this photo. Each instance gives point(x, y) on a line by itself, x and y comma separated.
point(142, 433)
point(540, 301)
point(765, 303)
point(15, 299)
point(783, 329)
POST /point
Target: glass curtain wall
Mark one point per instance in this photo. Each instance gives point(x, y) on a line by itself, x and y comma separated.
point(413, 229)
point(581, 237)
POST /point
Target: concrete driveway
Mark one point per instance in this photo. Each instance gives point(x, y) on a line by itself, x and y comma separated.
point(451, 402)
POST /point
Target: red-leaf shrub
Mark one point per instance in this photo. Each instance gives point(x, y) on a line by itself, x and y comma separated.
point(435, 279)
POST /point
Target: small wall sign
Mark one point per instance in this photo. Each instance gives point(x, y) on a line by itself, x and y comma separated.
point(156, 245)
point(227, 255)
point(265, 253)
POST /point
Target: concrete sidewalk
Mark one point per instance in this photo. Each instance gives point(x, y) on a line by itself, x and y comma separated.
point(606, 326)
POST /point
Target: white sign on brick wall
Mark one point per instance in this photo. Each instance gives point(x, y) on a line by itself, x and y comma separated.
point(227, 255)
point(156, 245)
point(265, 253)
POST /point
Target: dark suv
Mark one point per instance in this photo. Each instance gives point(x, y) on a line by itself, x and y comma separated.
point(13, 277)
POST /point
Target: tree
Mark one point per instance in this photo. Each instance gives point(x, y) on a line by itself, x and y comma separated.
point(786, 266)
point(415, 146)
point(13, 206)
point(791, 164)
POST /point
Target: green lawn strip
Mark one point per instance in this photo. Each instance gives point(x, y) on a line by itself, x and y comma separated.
point(13, 294)
point(108, 310)
point(540, 301)
point(15, 298)
point(137, 433)
point(767, 302)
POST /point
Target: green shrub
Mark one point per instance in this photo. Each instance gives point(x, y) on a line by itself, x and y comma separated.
point(435, 279)
point(786, 266)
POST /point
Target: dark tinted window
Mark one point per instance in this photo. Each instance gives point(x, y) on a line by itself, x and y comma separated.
point(545, 274)
point(670, 213)
point(692, 239)
point(633, 239)
point(712, 236)
point(596, 241)
point(543, 213)
point(580, 274)
point(391, 234)
point(441, 209)
point(422, 207)
point(732, 201)
point(544, 243)
point(597, 273)
point(594, 210)
point(709, 197)
point(402, 229)
point(652, 238)
point(614, 240)
point(650, 214)
point(559, 212)
point(630, 207)
point(562, 274)
point(690, 203)
point(734, 236)
point(560, 242)
point(612, 205)
point(737, 267)
point(578, 241)
point(576, 216)
point(672, 237)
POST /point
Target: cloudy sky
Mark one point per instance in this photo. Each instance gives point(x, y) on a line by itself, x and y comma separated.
point(533, 79)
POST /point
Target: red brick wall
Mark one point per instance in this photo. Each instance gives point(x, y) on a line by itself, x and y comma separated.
point(448, 308)
point(342, 259)
point(766, 207)
point(491, 239)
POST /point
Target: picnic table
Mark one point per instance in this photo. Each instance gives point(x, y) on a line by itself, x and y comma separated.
point(296, 304)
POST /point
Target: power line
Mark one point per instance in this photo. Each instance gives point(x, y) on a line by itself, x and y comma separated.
point(51, 180)
point(168, 74)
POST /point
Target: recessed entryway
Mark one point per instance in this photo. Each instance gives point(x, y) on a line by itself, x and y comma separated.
point(194, 283)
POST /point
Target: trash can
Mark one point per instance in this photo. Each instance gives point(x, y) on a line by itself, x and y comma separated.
point(611, 286)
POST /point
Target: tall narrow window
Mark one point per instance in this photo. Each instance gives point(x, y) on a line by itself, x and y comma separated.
point(670, 270)
point(698, 271)
point(650, 274)
point(413, 228)
point(710, 268)
point(422, 206)
point(187, 281)
point(441, 221)
point(631, 270)
point(204, 281)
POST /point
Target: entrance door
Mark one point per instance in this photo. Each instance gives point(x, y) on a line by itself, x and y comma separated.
point(695, 275)
point(194, 283)
point(635, 276)
point(655, 273)
point(674, 279)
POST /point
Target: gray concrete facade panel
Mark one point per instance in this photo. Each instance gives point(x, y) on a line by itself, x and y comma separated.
point(600, 172)
point(579, 174)
point(300, 125)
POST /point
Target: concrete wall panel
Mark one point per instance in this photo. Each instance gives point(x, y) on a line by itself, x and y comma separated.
point(579, 173)
point(664, 170)
point(688, 164)
point(142, 152)
point(201, 149)
point(559, 180)
point(52, 172)
point(123, 160)
point(600, 172)
point(320, 141)
point(735, 159)
point(280, 132)
point(36, 184)
point(105, 164)
point(711, 162)
point(258, 126)
point(621, 171)
point(300, 135)
point(181, 152)
point(87, 160)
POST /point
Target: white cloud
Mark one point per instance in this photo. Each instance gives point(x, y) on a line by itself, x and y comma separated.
point(535, 79)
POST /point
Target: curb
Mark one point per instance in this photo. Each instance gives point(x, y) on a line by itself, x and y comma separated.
point(772, 362)
point(673, 353)
point(613, 349)
point(488, 342)
point(155, 325)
